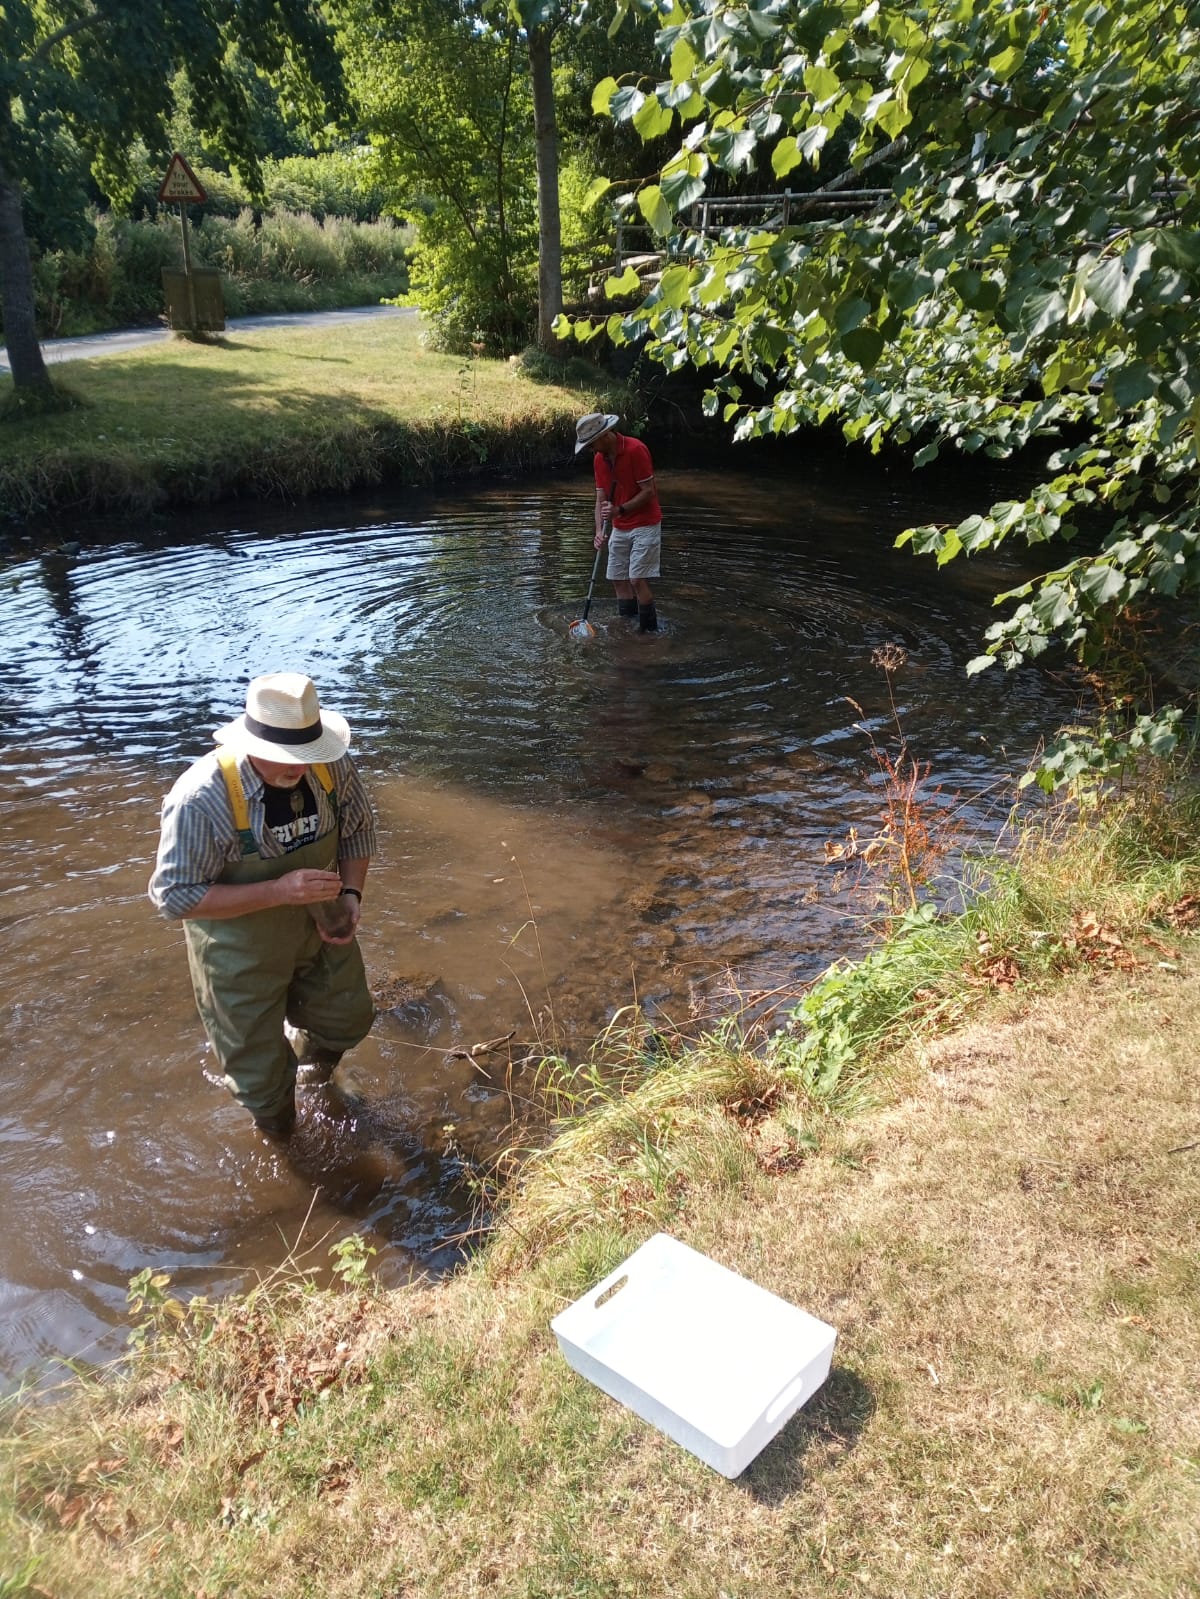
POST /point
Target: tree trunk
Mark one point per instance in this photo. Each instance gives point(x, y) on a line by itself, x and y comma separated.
point(16, 292)
point(545, 135)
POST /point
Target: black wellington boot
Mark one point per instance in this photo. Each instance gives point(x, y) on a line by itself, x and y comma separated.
point(283, 1123)
point(317, 1067)
point(627, 607)
point(647, 618)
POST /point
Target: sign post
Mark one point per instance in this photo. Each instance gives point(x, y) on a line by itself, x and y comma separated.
point(182, 187)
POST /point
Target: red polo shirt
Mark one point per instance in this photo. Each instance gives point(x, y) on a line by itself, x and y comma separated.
point(632, 468)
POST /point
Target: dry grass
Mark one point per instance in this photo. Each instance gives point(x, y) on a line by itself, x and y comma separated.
point(1008, 1254)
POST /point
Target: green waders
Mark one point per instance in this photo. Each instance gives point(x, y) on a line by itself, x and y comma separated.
point(251, 973)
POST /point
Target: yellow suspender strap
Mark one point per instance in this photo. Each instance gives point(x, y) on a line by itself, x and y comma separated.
point(227, 761)
point(237, 795)
point(325, 778)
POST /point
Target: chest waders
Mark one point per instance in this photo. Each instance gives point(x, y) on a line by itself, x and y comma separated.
point(252, 973)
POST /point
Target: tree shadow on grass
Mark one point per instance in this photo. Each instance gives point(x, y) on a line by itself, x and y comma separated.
point(833, 1420)
point(248, 346)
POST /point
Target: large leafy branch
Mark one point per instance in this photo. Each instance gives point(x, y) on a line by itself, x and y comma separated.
point(1034, 272)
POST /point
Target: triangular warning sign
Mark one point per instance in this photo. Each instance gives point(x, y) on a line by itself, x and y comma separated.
point(181, 185)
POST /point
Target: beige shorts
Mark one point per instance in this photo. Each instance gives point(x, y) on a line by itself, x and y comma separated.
point(633, 552)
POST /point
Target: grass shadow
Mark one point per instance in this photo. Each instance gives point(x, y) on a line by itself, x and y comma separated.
point(834, 1419)
point(222, 341)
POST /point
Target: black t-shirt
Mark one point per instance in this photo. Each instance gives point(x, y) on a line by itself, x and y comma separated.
point(291, 814)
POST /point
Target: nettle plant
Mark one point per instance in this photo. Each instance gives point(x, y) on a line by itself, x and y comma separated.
point(1032, 272)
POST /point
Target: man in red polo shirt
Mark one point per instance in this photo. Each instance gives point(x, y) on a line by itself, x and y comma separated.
point(627, 500)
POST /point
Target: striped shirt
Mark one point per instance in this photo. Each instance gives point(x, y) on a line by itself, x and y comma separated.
point(198, 838)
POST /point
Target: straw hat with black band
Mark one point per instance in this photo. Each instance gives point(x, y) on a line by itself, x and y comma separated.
point(283, 722)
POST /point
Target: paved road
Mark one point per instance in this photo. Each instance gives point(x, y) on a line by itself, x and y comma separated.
point(116, 343)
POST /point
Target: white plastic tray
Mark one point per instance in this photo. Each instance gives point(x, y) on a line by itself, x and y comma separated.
point(708, 1357)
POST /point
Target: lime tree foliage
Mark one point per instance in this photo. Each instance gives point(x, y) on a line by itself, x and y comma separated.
point(85, 83)
point(1033, 273)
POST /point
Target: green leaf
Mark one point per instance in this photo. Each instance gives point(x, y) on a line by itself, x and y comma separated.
point(974, 290)
point(627, 283)
point(894, 116)
point(655, 209)
point(602, 96)
point(785, 156)
point(851, 312)
point(822, 83)
point(1177, 247)
point(864, 345)
point(652, 119)
point(733, 151)
point(681, 189)
point(1103, 584)
point(913, 72)
point(725, 343)
point(626, 103)
point(1005, 64)
point(769, 342)
point(811, 141)
point(1042, 311)
point(1130, 385)
point(1109, 287)
point(673, 285)
point(683, 60)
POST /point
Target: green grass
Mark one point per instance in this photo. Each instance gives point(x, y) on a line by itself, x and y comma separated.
point(284, 412)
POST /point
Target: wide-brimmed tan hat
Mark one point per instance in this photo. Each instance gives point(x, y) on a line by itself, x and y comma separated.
point(283, 721)
point(589, 428)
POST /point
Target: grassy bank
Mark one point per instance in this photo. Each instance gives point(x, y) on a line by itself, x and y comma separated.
point(975, 1155)
point(283, 412)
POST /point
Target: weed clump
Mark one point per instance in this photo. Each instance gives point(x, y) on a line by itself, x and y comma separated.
point(568, 372)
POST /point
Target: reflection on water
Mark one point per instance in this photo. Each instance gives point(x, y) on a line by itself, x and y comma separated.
point(566, 826)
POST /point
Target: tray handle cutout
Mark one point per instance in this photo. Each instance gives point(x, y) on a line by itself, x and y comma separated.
point(610, 1291)
point(784, 1400)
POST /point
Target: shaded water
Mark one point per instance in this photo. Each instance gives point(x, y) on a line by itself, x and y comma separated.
point(565, 827)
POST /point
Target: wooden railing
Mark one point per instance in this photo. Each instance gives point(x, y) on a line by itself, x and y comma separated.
point(636, 245)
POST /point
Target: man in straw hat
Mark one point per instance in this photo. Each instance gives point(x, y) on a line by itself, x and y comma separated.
point(627, 500)
point(263, 854)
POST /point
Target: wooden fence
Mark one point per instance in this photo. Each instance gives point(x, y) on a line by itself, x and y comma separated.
point(636, 245)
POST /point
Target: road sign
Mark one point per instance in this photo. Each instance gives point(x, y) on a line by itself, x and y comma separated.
point(181, 186)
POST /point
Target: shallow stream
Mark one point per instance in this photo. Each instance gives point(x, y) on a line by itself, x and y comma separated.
point(567, 829)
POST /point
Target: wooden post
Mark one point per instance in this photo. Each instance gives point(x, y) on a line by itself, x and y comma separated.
point(187, 266)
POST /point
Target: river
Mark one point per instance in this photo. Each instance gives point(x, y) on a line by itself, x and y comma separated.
point(567, 829)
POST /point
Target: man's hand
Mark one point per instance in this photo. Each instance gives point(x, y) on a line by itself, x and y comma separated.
point(305, 886)
point(606, 515)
